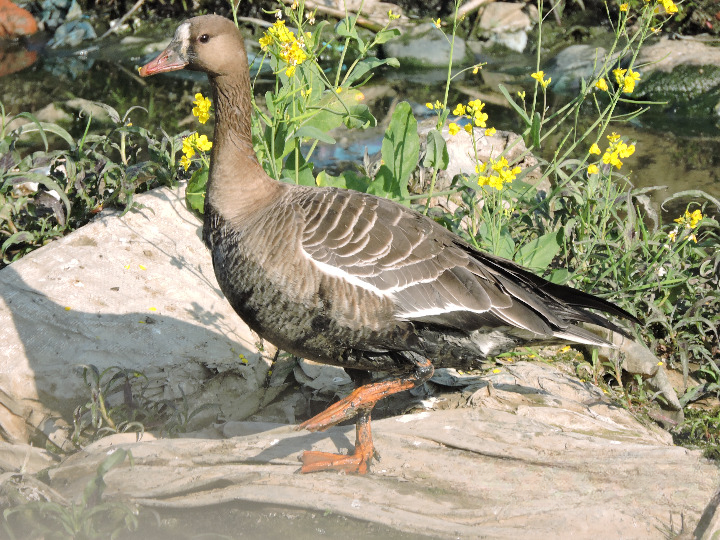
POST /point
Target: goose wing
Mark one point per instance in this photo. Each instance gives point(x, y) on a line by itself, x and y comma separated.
point(430, 274)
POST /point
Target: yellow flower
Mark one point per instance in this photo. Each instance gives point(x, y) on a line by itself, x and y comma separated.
point(185, 161)
point(429, 105)
point(291, 51)
point(617, 150)
point(437, 23)
point(521, 95)
point(459, 110)
point(595, 149)
point(602, 84)
point(454, 128)
point(475, 106)
point(619, 75)
point(690, 220)
point(392, 16)
point(188, 147)
point(623, 7)
point(203, 143)
point(190, 144)
point(672, 235)
point(480, 119)
point(539, 76)
point(201, 108)
point(669, 6)
point(593, 169)
point(468, 128)
point(490, 131)
point(629, 81)
point(265, 42)
point(499, 173)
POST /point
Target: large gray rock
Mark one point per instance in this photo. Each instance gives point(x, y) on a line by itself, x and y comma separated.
point(506, 23)
point(425, 46)
point(135, 291)
point(531, 453)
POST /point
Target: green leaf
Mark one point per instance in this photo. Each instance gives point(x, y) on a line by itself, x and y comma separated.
point(20, 237)
point(346, 180)
point(50, 184)
point(359, 116)
point(347, 29)
point(269, 103)
point(334, 109)
point(385, 35)
point(400, 148)
point(301, 174)
point(386, 185)
point(514, 105)
point(538, 253)
point(365, 66)
point(43, 128)
point(314, 133)
point(195, 192)
point(436, 155)
point(535, 131)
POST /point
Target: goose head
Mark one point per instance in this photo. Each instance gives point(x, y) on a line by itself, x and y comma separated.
point(209, 43)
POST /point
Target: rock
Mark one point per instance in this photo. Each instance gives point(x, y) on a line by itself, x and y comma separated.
point(574, 63)
point(507, 24)
point(637, 359)
point(667, 54)
point(463, 157)
point(15, 21)
point(425, 46)
point(531, 453)
point(13, 59)
point(138, 292)
point(690, 89)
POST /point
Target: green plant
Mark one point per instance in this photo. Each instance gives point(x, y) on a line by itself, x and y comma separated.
point(118, 404)
point(89, 518)
point(49, 192)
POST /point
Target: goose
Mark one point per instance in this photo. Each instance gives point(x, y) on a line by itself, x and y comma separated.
point(350, 279)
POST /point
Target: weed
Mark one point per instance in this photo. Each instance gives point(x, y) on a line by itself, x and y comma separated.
point(87, 519)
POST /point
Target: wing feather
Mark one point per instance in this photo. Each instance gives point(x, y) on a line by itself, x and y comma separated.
point(430, 274)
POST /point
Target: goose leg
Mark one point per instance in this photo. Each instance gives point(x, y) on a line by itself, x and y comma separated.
point(360, 402)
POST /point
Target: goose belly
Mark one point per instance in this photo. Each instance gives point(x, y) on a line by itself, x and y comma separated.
point(302, 312)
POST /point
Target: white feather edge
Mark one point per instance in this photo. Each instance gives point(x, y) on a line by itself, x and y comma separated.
point(389, 293)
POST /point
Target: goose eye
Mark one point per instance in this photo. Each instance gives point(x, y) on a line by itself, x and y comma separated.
point(204, 38)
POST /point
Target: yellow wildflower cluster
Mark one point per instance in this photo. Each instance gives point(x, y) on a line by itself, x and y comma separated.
point(435, 106)
point(190, 144)
point(689, 221)
point(669, 6)
point(627, 78)
point(498, 173)
point(291, 50)
point(201, 108)
point(474, 112)
point(539, 76)
point(617, 149)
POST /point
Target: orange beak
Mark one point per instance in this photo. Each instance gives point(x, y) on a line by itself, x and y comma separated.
point(169, 60)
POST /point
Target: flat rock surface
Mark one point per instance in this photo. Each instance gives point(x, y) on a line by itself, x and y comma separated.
point(509, 465)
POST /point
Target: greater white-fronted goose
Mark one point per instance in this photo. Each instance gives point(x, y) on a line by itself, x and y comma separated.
point(350, 279)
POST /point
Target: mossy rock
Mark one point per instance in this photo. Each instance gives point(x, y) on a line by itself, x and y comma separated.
point(692, 90)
